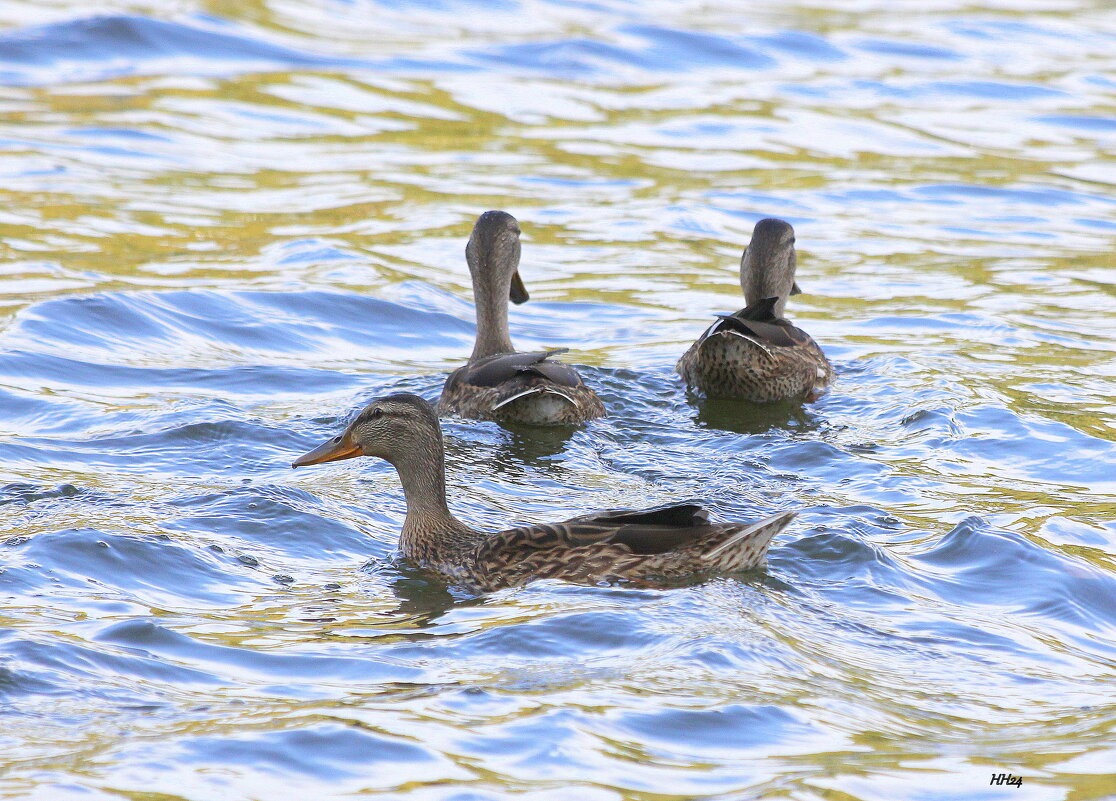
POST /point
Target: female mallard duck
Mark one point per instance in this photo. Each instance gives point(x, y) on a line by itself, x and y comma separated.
point(663, 543)
point(756, 354)
point(498, 383)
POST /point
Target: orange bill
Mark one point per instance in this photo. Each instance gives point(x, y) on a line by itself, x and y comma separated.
point(340, 447)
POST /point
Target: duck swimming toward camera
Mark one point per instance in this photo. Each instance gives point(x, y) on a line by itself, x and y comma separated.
point(664, 543)
point(498, 383)
point(756, 354)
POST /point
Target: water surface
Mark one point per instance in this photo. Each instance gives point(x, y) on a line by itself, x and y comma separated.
point(226, 226)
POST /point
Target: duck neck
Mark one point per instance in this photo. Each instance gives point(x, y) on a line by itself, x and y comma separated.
point(422, 471)
point(493, 335)
point(761, 277)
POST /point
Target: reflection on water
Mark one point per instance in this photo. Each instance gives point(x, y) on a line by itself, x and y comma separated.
point(533, 446)
point(227, 226)
point(748, 418)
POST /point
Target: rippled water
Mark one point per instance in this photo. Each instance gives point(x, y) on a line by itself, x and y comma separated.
point(227, 225)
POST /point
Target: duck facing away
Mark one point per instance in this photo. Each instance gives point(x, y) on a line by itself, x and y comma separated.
point(498, 383)
point(664, 543)
point(756, 354)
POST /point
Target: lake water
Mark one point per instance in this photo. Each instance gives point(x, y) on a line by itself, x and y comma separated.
point(225, 226)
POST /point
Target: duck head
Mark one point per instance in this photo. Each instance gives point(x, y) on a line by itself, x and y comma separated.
point(395, 428)
point(767, 266)
point(493, 255)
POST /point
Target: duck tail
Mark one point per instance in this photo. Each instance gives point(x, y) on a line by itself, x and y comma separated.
point(745, 548)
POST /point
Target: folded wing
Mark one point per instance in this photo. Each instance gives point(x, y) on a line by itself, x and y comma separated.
point(759, 324)
point(650, 531)
point(503, 367)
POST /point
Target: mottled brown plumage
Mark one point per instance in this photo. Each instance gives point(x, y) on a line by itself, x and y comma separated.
point(756, 354)
point(653, 544)
point(498, 383)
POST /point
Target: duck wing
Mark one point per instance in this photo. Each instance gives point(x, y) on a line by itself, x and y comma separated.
point(493, 371)
point(676, 514)
point(671, 540)
point(648, 531)
point(759, 324)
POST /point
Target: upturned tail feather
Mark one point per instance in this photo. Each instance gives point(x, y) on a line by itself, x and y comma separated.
point(777, 522)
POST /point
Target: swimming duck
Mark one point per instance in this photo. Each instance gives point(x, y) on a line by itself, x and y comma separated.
point(662, 543)
point(756, 354)
point(498, 383)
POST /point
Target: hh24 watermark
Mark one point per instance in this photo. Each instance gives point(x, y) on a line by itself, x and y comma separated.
point(1007, 778)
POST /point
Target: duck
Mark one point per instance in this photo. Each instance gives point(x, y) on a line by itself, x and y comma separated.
point(499, 383)
point(648, 546)
point(757, 354)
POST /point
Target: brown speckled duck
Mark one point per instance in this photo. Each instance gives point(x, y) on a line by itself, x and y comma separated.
point(664, 543)
point(498, 383)
point(756, 354)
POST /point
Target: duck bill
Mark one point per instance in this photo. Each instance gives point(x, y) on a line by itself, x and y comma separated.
point(329, 451)
point(518, 293)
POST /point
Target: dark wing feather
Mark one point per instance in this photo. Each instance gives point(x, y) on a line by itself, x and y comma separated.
point(648, 531)
point(678, 514)
point(495, 370)
point(648, 540)
point(759, 321)
point(784, 336)
point(561, 374)
point(762, 311)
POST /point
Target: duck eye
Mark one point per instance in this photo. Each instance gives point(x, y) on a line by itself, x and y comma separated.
point(337, 438)
point(377, 414)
